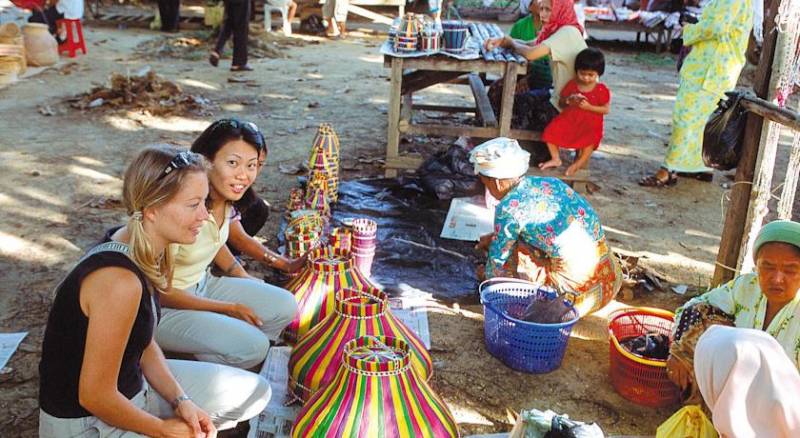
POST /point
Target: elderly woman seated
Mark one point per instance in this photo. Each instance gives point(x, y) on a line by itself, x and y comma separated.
point(544, 231)
point(766, 300)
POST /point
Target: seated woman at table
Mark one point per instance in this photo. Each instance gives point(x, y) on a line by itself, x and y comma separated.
point(748, 383)
point(538, 79)
point(545, 232)
point(560, 38)
point(765, 300)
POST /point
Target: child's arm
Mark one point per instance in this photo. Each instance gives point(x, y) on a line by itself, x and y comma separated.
point(599, 109)
point(605, 96)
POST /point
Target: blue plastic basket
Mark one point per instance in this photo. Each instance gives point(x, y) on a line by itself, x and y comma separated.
point(524, 346)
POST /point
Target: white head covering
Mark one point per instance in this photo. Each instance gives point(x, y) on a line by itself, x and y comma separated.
point(748, 382)
point(500, 158)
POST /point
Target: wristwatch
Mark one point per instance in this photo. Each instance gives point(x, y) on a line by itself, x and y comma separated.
point(179, 399)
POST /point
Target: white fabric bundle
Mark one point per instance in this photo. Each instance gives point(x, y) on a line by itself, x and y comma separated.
point(500, 158)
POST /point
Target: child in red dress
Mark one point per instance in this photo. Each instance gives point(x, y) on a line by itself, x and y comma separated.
point(580, 125)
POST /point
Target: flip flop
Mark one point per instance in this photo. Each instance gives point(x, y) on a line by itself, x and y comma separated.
point(213, 59)
point(654, 181)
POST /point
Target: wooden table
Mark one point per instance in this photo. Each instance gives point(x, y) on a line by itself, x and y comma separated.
point(663, 35)
point(409, 75)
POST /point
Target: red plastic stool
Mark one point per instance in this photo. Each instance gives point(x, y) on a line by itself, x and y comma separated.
point(74, 37)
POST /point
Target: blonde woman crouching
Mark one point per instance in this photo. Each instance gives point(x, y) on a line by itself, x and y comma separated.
point(102, 373)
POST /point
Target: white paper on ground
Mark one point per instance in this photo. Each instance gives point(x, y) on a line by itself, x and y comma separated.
point(276, 420)
point(468, 219)
point(9, 342)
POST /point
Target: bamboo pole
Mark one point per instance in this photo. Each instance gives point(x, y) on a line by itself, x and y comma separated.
point(733, 230)
point(790, 183)
point(762, 184)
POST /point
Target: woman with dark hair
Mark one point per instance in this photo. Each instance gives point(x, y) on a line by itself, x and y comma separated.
point(767, 299)
point(102, 373)
point(230, 319)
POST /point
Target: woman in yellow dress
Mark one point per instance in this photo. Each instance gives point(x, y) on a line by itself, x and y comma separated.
point(718, 43)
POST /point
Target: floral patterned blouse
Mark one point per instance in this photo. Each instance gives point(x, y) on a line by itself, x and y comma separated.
point(545, 214)
point(742, 298)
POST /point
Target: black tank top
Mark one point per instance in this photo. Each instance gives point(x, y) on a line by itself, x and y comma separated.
point(65, 336)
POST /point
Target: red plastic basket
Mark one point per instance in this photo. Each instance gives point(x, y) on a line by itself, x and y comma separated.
point(641, 380)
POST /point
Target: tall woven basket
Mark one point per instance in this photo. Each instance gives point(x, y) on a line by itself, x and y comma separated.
point(376, 393)
point(357, 313)
point(328, 271)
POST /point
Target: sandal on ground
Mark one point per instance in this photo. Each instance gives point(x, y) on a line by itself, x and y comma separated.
point(213, 59)
point(700, 176)
point(654, 181)
point(241, 68)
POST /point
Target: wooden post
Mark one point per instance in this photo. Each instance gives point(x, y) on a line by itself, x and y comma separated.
point(762, 185)
point(734, 228)
point(790, 183)
point(507, 100)
point(393, 135)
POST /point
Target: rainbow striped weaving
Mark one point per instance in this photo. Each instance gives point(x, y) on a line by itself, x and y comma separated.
point(358, 312)
point(328, 270)
point(375, 393)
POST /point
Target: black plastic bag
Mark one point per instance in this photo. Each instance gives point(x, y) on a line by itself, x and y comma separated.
point(724, 133)
point(449, 174)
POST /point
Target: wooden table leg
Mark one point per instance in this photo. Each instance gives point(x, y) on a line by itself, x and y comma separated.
point(393, 134)
point(405, 108)
point(507, 101)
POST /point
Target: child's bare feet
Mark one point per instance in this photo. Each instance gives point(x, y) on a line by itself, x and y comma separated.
point(574, 167)
point(550, 163)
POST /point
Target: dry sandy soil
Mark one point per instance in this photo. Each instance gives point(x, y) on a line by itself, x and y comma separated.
point(60, 181)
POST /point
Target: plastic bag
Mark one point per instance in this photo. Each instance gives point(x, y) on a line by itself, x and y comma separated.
point(724, 133)
point(449, 174)
point(689, 421)
point(537, 424)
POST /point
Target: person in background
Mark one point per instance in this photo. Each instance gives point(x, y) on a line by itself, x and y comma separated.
point(101, 371)
point(335, 14)
point(586, 101)
point(170, 13)
point(55, 10)
point(236, 23)
point(748, 383)
point(538, 80)
point(545, 232)
point(718, 43)
point(560, 38)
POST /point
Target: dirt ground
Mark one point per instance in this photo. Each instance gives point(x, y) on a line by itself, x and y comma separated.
point(60, 182)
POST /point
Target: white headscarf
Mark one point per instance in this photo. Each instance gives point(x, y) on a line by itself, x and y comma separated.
point(748, 382)
point(500, 158)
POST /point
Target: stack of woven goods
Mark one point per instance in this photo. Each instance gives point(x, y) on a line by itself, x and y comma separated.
point(12, 53)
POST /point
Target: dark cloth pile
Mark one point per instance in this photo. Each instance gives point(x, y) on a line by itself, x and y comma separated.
point(449, 174)
point(650, 345)
point(545, 311)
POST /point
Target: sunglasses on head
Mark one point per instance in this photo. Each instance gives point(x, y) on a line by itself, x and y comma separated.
point(247, 128)
point(183, 159)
